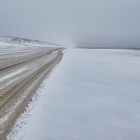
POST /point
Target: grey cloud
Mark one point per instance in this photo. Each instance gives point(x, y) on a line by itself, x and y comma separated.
point(100, 23)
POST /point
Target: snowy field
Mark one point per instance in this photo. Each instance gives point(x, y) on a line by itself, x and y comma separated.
point(90, 95)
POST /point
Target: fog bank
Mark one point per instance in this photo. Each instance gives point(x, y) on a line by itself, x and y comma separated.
point(72, 22)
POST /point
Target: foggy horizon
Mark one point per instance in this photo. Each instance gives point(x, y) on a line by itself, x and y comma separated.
point(72, 23)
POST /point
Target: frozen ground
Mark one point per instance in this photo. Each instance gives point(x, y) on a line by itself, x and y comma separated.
point(23, 42)
point(91, 95)
point(22, 69)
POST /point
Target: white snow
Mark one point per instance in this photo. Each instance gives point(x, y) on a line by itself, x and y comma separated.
point(22, 42)
point(91, 95)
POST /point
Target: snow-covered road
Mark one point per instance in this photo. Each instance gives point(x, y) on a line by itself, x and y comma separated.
point(22, 69)
point(91, 95)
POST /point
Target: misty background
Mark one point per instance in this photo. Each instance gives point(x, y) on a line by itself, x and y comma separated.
point(74, 23)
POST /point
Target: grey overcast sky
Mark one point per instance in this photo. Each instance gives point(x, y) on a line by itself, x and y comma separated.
point(101, 23)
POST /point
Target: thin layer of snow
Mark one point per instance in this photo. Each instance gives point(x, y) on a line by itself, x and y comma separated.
point(92, 94)
point(22, 42)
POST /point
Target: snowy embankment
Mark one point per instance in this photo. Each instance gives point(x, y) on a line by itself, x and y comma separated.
point(23, 42)
point(21, 71)
point(92, 95)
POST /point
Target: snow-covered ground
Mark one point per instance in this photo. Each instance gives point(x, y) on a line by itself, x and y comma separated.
point(23, 42)
point(91, 95)
point(22, 69)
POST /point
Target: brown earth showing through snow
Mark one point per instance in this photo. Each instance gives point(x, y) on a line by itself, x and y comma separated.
point(21, 72)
